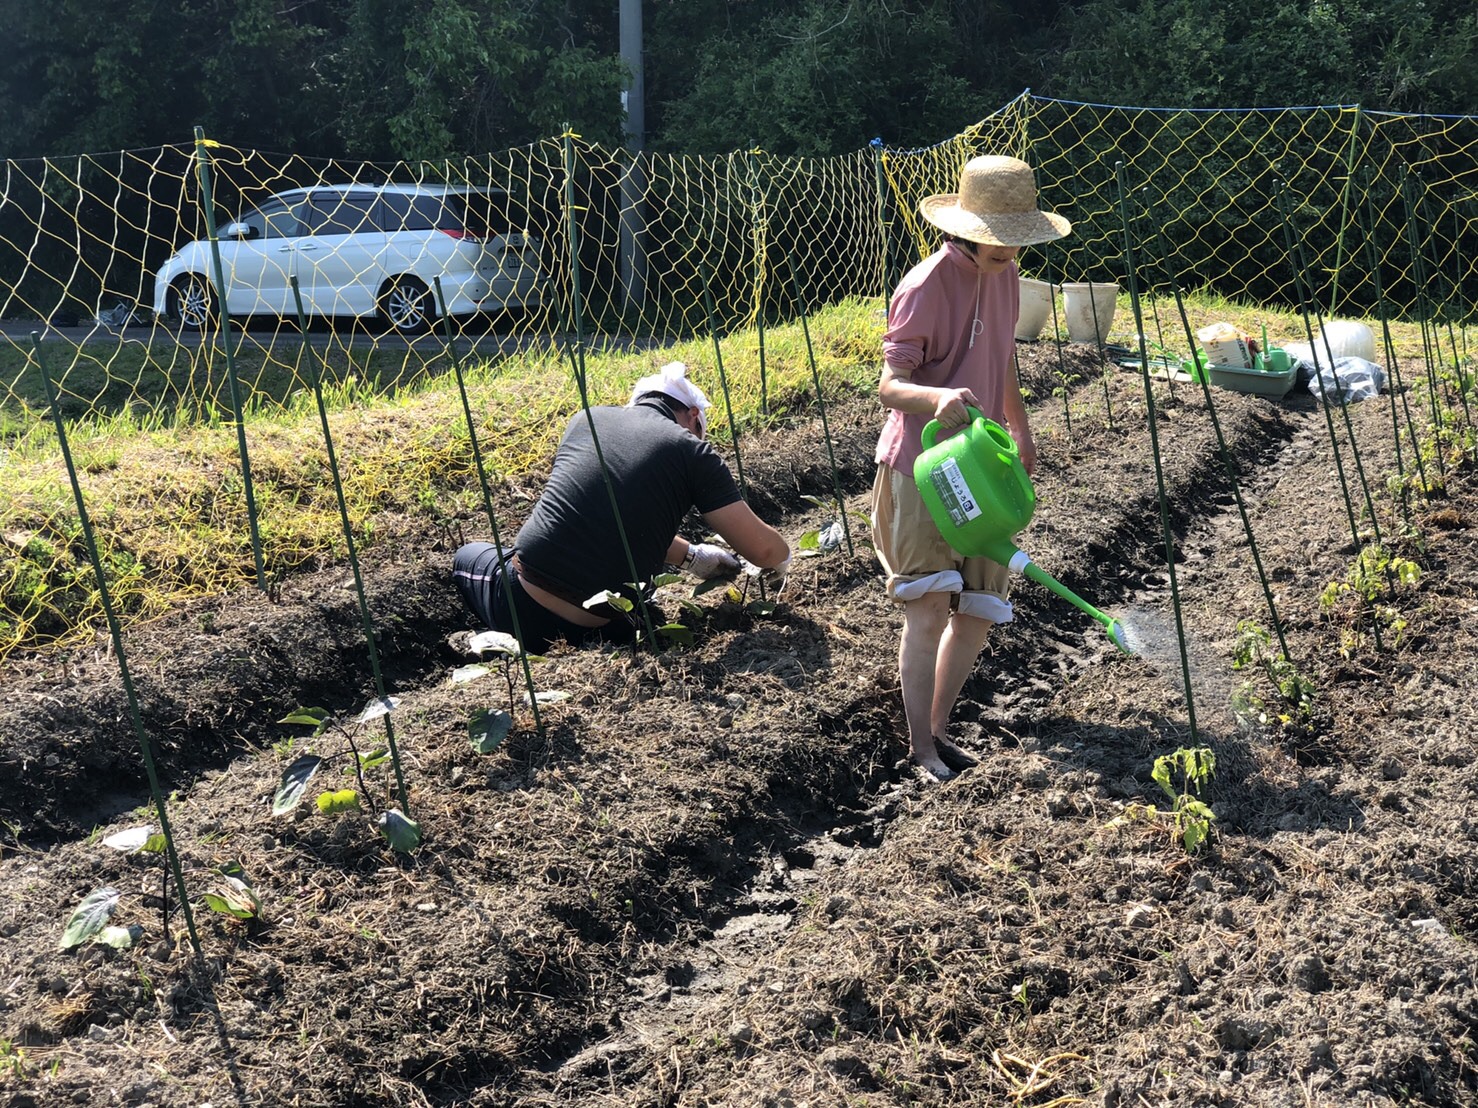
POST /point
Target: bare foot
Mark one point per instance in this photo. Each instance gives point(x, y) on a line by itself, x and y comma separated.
point(953, 756)
point(932, 766)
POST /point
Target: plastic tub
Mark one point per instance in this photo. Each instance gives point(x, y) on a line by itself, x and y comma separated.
point(1036, 307)
point(1089, 309)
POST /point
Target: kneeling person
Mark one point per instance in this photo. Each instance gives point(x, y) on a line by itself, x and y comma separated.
point(569, 550)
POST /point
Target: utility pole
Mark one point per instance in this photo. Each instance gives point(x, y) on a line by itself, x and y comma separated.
point(633, 179)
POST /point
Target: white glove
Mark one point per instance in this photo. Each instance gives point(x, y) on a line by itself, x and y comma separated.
point(773, 577)
point(705, 560)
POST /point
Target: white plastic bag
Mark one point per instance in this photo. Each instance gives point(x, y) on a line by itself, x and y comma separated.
point(1350, 381)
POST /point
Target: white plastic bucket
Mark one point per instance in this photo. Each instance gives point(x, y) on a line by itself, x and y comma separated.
point(1036, 307)
point(1346, 339)
point(1089, 309)
point(1224, 345)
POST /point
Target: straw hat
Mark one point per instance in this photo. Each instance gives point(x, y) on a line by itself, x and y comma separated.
point(996, 205)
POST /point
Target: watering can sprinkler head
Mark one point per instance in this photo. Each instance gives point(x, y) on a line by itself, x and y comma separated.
point(979, 495)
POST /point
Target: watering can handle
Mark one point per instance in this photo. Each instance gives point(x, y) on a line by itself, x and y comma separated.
point(931, 429)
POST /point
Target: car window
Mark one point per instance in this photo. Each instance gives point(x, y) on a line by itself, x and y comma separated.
point(479, 214)
point(273, 220)
point(336, 213)
point(414, 212)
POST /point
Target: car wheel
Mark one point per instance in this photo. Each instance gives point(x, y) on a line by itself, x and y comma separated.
point(192, 302)
point(405, 306)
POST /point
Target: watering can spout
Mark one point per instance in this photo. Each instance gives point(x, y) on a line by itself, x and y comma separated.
point(1111, 626)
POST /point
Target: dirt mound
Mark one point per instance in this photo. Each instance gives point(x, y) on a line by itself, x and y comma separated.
point(713, 880)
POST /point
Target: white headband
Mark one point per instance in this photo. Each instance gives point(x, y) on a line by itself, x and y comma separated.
point(672, 380)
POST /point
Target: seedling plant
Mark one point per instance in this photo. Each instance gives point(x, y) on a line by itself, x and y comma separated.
point(1188, 819)
point(228, 891)
point(399, 830)
point(1370, 587)
point(488, 727)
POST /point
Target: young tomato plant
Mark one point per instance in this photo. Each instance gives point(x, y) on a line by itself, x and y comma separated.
point(1188, 818)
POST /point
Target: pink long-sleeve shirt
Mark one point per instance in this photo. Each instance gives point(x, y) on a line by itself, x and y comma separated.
point(934, 311)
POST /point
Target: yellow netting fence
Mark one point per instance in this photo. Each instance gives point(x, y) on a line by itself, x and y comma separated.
point(117, 261)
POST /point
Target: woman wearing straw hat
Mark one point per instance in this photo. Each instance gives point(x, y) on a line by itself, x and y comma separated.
point(949, 345)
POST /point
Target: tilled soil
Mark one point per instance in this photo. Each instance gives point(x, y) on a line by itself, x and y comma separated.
point(714, 879)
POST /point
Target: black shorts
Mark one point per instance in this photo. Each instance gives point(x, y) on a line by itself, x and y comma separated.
point(487, 581)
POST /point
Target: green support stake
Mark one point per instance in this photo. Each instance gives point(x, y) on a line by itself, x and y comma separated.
point(1149, 402)
point(577, 365)
point(836, 480)
point(1228, 463)
point(1344, 207)
point(316, 379)
point(723, 380)
point(1417, 262)
point(487, 499)
point(1393, 367)
point(761, 257)
point(134, 715)
point(882, 194)
point(1291, 245)
point(202, 164)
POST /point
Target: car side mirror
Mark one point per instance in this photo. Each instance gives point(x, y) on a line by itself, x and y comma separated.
point(243, 231)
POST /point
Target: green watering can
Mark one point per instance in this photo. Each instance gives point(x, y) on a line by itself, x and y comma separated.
point(979, 495)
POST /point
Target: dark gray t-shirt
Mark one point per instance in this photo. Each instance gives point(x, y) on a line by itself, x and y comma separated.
point(659, 471)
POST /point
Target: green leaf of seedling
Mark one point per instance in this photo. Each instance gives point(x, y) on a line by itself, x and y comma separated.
point(333, 802)
point(488, 727)
point(494, 642)
point(809, 540)
point(155, 844)
point(294, 780)
point(462, 674)
point(231, 896)
point(816, 501)
point(400, 831)
point(548, 696)
point(378, 756)
point(763, 609)
point(694, 610)
point(316, 718)
point(676, 632)
point(1161, 775)
point(711, 584)
point(129, 841)
point(89, 917)
point(666, 579)
point(380, 706)
point(120, 938)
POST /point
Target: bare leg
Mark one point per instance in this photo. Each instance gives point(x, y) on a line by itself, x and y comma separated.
point(924, 622)
point(959, 647)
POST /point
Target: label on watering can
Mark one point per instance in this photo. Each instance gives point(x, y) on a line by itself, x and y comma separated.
point(954, 494)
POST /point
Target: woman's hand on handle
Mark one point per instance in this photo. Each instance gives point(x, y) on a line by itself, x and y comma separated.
point(950, 407)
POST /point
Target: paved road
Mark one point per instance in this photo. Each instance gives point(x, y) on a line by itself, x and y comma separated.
point(473, 337)
point(258, 335)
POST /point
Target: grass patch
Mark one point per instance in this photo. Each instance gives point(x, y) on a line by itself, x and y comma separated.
point(163, 484)
point(168, 505)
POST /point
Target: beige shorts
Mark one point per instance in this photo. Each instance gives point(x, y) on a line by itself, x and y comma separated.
point(919, 561)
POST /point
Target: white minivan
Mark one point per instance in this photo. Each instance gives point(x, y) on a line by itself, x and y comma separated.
point(358, 250)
